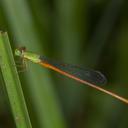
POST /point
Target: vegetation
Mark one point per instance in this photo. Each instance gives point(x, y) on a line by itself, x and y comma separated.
point(87, 33)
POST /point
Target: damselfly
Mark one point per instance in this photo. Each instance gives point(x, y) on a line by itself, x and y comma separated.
point(86, 76)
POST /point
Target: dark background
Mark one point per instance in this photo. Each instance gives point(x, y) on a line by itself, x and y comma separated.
point(88, 33)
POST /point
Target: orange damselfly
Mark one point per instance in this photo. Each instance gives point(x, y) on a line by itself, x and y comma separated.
point(86, 76)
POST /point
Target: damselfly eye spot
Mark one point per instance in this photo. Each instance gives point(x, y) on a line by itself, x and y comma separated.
point(22, 48)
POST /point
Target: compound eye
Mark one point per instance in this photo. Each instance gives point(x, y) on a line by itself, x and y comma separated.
point(22, 49)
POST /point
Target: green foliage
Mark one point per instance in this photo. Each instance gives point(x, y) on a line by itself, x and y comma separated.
point(88, 33)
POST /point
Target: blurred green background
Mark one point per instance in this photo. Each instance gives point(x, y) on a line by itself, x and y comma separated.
point(89, 33)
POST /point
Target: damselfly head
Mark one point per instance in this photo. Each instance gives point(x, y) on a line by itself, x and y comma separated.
point(20, 51)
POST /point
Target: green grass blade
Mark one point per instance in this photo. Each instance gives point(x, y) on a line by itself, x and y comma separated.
point(12, 84)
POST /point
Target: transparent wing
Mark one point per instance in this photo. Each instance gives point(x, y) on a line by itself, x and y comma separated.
point(89, 75)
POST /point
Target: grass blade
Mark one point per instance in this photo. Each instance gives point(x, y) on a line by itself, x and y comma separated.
point(12, 84)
